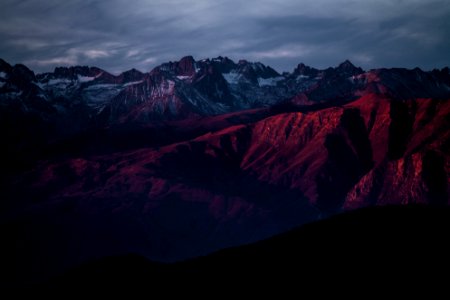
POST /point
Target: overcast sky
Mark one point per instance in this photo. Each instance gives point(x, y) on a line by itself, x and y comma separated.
point(118, 35)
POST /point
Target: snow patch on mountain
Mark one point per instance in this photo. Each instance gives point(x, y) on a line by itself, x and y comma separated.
point(85, 78)
point(302, 77)
point(132, 83)
point(101, 86)
point(99, 95)
point(58, 81)
point(11, 96)
point(60, 84)
point(258, 66)
point(3, 75)
point(231, 78)
point(269, 81)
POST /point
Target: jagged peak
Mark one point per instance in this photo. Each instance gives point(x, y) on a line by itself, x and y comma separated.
point(219, 58)
point(302, 66)
point(187, 58)
point(346, 64)
point(222, 59)
point(4, 65)
point(133, 70)
point(131, 75)
point(78, 70)
point(22, 69)
point(348, 67)
point(256, 70)
point(303, 69)
point(186, 66)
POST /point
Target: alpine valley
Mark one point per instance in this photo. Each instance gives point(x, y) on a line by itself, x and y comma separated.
point(197, 156)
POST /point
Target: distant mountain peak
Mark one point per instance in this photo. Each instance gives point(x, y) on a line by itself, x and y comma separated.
point(187, 58)
point(4, 66)
point(220, 58)
point(186, 66)
point(132, 75)
point(75, 71)
point(347, 64)
point(305, 70)
point(133, 70)
point(348, 68)
point(21, 72)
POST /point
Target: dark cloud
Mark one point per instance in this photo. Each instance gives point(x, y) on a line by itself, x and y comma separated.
point(118, 35)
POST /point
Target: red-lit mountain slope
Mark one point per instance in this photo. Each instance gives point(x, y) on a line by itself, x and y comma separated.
point(239, 184)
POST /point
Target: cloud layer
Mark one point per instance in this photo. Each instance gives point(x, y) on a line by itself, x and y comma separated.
point(118, 35)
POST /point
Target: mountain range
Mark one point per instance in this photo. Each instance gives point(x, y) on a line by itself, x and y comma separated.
point(196, 156)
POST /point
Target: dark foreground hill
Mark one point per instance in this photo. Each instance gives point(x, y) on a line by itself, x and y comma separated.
point(378, 245)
